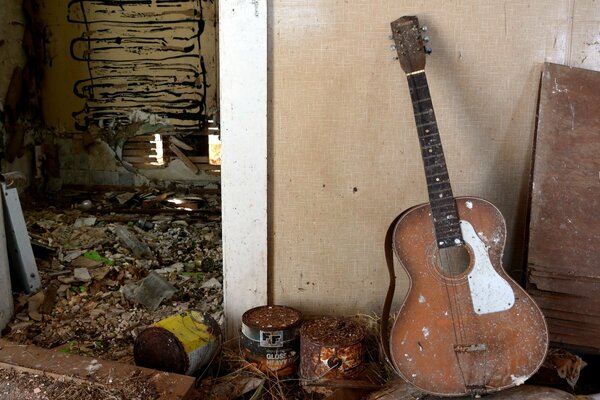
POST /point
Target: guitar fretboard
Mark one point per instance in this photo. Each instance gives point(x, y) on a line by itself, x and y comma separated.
point(443, 206)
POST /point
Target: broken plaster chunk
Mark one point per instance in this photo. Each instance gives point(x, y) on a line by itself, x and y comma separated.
point(89, 221)
point(212, 283)
point(82, 274)
point(150, 291)
point(129, 240)
point(177, 267)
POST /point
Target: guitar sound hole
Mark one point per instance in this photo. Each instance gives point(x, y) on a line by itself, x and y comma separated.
point(454, 260)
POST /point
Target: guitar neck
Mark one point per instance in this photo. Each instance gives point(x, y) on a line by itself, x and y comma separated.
point(443, 206)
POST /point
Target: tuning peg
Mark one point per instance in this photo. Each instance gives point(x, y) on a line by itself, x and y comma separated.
point(393, 47)
point(424, 28)
point(428, 50)
point(426, 39)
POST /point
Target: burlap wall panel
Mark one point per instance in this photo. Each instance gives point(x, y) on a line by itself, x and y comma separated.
point(344, 157)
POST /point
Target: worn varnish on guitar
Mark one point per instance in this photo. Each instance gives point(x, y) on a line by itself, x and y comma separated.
point(465, 327)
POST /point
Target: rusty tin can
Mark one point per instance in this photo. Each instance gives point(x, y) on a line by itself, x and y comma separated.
point(331, 348)
point(270, 338)
point(182, 343)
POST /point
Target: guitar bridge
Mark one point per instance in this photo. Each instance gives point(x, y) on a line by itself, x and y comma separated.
point(476, 390)
point(470, 348)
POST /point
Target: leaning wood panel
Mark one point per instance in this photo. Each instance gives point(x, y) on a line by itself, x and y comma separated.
point(563, 228)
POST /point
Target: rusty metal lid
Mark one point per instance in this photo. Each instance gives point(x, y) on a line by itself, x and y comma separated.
point(332, 332)
point(271, 318)
point(160, 349)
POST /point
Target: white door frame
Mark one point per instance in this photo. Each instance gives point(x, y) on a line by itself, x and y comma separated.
point(243, 118)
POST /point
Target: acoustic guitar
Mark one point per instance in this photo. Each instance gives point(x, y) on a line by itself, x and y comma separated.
point(465, 327)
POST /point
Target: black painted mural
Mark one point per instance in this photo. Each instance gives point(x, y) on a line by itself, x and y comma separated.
point(144, 60)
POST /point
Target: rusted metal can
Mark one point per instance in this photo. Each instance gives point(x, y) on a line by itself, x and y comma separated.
point(182, 343)
point(330, 349)
point(270, 338)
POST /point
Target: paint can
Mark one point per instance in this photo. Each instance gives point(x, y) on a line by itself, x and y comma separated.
point(270, 339)
point(182, 343)
point(330, 349)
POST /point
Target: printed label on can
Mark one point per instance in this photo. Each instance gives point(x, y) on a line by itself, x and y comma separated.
point(271, 338)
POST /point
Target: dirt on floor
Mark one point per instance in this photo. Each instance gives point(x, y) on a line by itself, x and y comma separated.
point(18, 385)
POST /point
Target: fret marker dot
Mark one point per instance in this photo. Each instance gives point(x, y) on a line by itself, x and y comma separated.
point(430, 150)
point(437, 179)
point(426, 130)
point(457, 241)
point(441, 195)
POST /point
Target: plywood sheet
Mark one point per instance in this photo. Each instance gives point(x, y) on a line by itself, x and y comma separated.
point(564, 230)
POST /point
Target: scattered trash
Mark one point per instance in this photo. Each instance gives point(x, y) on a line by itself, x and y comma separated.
point(88, 221)
point(85, 205)
point(270, 339)
point(139, 249)
point(150, 291)
point(212, 283)
point(95, 256)
point(93, 317)
point(82, 275)
point(182, 343)
point(330, 349)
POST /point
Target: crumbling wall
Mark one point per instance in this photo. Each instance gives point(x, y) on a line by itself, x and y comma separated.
point(12, 25)
point(97, 66)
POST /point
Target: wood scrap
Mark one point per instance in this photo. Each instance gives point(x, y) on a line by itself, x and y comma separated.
point(184, 158)
point(179, 143)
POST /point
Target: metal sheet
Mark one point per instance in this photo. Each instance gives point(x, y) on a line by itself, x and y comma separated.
point(24, 270)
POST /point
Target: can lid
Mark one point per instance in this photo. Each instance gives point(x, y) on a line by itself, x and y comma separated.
point(272, 318)
point(332, 332)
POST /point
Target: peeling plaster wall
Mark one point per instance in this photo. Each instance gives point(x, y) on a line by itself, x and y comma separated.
point(343, 152)
point(107, 63)
point(108, 60)
point(12, 24)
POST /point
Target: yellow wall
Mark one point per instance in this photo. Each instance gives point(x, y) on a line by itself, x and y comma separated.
point(12, 23)
point(340, 118)
point(166, 35)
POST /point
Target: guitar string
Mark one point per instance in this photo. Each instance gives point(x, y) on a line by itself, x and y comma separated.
point(457, 323)
point(456, 307)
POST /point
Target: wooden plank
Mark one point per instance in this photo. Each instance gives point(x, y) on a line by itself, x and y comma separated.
point(141, 138)
point(184, 158)
point(198, 159)
point(179, 143)
point(59, 365)
point(138, 152)
point(562, 284)
point(139, 160)
point(138, 145)
point(563, 229)
point(243, 107)
point(141, 165)
point(566, 302)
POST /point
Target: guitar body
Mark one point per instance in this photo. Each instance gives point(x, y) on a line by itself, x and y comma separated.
point(468, 333)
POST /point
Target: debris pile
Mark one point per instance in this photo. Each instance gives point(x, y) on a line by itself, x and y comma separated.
point(116, 263)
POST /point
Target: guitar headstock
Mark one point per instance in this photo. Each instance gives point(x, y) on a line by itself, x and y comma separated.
point(409, 43)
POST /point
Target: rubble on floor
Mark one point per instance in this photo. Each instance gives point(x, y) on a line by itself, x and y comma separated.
point(113, 264)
